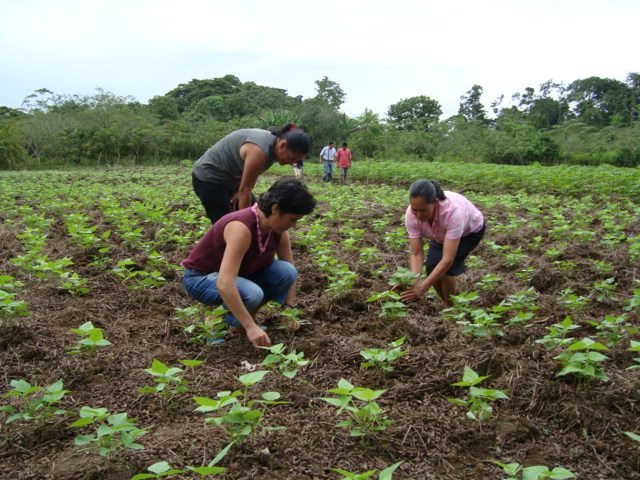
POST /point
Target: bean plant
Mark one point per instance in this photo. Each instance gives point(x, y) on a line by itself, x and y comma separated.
point(386, 474)
point(515, 471)
point(635, 347)
point(383, 358)
point(91, 339)
point(392, 306)
point(34, 403)
point(583, 359)
point(9, 306)
point(366, 417)
point(169, 381)
point(287, 363)
point(558, 334)
point(479, 399)
point(235, 411)
point(113, 432)
point(204, 325)
point(164, 469)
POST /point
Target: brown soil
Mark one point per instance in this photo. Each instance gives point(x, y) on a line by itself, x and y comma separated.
point(548, 420)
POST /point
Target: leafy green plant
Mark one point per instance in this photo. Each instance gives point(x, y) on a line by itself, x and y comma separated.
point(633, 436)
point(287, 363)
point(480, 323)
point(169, 380)
point(489, 282)
point(558, 334)
point(9, 306)
point(205, 325)
point(515, 471)
point(164, 469)
point(291, 319)
point(383, 358)
point(365, 415)
point(113, 432)
point(386, 474)
point(392, 306)
point(35, 403)
point(402, 278)
point(342, 280)
point(583, 358)
point(461, 306)
point(613, 329)
point(604, 290)
point(236, 415)
point(479, 399)
point(635, 347)
point(92, 338)
point(574, 303)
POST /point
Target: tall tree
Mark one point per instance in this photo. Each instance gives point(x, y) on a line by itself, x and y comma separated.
point(330, 92)
point(415, 113)
point(470, 107)
point(596, 100)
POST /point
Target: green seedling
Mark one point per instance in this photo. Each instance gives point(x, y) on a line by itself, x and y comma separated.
point(236, 415)
point(461, 306)
point(478, 402)
point(558, 334)
point(113, 432)
point(164, 469)
point(604, 290)
point(635, 347)
point(366, 417)
point(386, 474)
point(382, 358)
point(287, 363)
point(613, 329)
point(169, 380)
point(9, 306)
point(291, 319)
point(633, 436)
point(573, 302)
point(392, 306)
point(515, 471)
point(402, 278)
point(583, 359)
point(208, 326)
point(633, 305)
point(481, 324)
point(35, 403)
point(342, 280)
point(367, 254)
point(489, 282)
point(91, 339)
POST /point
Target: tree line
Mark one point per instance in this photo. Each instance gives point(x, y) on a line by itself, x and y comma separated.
point(590, 121)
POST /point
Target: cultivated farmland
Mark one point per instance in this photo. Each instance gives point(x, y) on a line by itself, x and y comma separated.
point(93, 311)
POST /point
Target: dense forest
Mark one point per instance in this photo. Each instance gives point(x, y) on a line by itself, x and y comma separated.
point(590, 121)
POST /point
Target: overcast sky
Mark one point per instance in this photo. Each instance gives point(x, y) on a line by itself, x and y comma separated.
point(378, 51)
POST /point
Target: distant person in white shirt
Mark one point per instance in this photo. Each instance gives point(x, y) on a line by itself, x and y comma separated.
point(327, 155)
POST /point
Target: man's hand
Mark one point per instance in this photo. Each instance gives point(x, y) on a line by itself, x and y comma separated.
point(258, 337)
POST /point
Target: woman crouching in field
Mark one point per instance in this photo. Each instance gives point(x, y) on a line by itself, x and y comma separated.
point(454, 227)
point(234, 264)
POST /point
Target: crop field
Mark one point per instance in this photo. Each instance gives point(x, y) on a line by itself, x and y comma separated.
point(534, 373)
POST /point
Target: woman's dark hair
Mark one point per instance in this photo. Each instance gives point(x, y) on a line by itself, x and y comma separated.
point(297, 140)
point(291, 196)
point(427, 189)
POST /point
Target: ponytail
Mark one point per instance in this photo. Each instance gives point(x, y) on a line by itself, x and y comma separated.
point(429, 190)
point(297, 140)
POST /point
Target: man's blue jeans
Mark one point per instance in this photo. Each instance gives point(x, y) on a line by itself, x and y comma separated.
point(272, 283)
point(328, 171)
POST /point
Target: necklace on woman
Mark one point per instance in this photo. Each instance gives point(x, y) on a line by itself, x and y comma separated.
point(261, 246)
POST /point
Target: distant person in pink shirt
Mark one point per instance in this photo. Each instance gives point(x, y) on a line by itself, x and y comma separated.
point(344, 160)
point(454, 227)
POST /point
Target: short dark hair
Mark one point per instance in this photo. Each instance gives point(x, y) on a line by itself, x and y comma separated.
point(331, 143)
point(297, 140)
point(344, 144)
point(290, 195)
point(426, 189)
